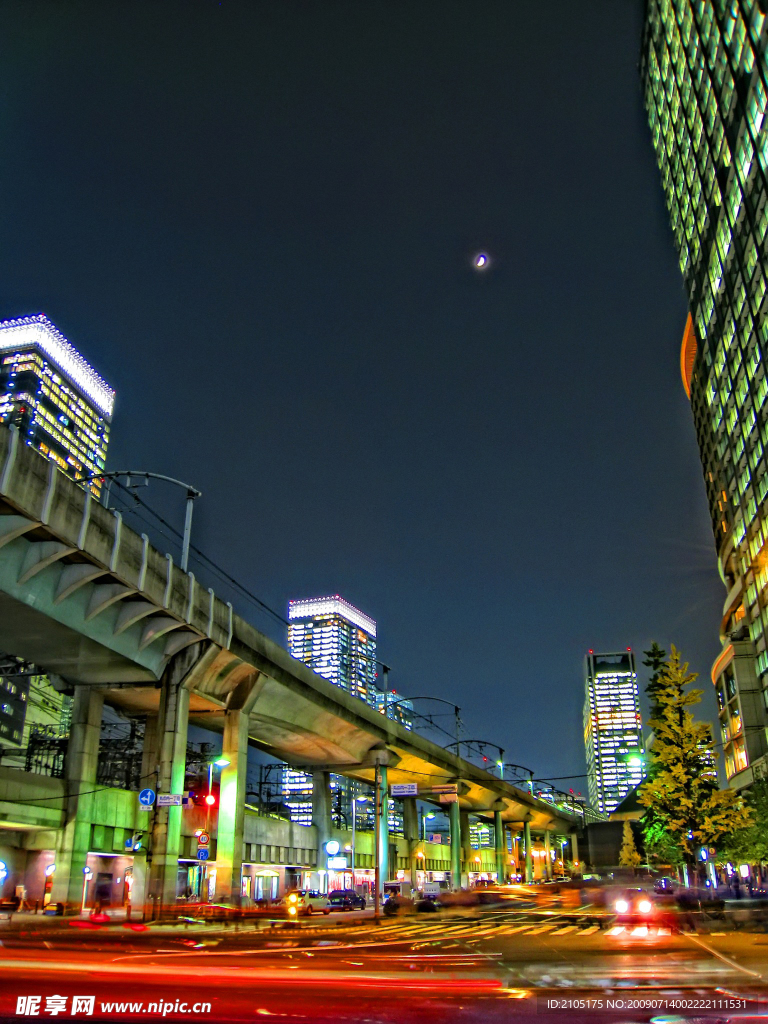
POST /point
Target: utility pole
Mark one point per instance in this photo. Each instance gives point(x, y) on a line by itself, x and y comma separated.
point(376, 844)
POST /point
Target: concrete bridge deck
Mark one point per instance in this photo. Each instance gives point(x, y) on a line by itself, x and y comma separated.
point(85, 597)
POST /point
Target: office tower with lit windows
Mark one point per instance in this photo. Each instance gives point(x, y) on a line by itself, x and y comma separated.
point(704, 66)
point(57, 402)
point(337, 641)
point(612, 728)
point(394, 706)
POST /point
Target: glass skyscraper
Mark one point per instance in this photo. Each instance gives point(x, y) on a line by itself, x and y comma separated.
point(59, 404)
point(612, 728)
point(337, 641)
point(704, 67)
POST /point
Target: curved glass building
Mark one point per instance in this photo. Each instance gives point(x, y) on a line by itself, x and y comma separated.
point(704, 66)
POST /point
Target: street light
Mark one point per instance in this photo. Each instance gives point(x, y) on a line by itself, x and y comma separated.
point(133, 476)
point(481, 744)
point(424, 825)
point(355, 800)
point(210, 800)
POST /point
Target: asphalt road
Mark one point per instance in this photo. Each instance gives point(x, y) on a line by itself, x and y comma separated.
point(432, 968)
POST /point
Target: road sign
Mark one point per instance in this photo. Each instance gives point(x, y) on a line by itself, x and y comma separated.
point(448, 787)
point(169, 800)
point(147, 797)
point(405, 789)
point(145, 807)
point(203, 839)
point(203, 853)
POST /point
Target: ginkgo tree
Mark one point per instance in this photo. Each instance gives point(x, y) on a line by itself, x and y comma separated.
point(682, 790)
point(629, 856)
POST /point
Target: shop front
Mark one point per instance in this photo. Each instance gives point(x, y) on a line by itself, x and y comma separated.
point(107, 881)
point(261, 883)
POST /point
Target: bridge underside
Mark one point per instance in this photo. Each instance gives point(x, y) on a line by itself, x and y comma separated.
point(30, 634)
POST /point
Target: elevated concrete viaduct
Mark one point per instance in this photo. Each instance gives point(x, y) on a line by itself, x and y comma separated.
point(87, 598)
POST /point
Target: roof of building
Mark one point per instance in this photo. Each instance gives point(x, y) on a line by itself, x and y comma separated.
point(38, 332)
point(334, 605)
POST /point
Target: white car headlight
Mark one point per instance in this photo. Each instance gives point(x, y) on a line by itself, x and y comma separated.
point(622, 906)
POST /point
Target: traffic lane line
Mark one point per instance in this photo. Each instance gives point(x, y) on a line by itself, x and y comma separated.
point(725, 959)
point(302, 976)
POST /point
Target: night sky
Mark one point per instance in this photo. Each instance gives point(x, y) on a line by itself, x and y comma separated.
point(257, 219)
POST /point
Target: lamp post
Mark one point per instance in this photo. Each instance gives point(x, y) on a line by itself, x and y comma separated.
point(133, 476)
point(355, 800)
point(210, 800)
point(520, 768)
point(482, 744)
point(424, 825)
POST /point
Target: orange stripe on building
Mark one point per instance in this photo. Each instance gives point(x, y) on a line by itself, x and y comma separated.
point(688, 352)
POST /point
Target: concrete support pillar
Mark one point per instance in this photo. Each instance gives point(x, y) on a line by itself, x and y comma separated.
point(231, 822)
point(500, 842)
point(411, 830)
point(467, 853)
point(454, 817)
point(547, 853)
point(150, 753)
point(575, 852)
point(383, 837)
point(80, 767)
point(173, 719)
point(528, 851)
point(321, 819)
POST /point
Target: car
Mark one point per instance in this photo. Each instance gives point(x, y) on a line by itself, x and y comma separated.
point(666, 885)
point(635, 906)
point(303, 902)
point(346, 899)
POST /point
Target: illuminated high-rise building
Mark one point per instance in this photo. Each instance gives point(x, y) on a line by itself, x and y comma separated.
point(612, 728)
point(705, 74)
point(59, 404)
point(337, 641)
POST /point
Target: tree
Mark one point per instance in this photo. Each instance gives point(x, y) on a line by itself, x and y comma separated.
point(660, 848)
point(681, 792)
point(656, 661)
point(628, 855)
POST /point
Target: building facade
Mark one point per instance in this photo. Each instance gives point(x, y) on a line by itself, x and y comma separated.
point(704, 66)
point(338, 642)
point(612, 728)
point(394, 706)
point(59, 404)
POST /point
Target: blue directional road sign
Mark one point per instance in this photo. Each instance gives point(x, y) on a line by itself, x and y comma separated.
point(147, 797)
point(203, 854)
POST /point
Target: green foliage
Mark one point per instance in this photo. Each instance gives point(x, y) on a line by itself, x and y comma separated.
point(660, 847)
point(681, 792)
point(628, 855)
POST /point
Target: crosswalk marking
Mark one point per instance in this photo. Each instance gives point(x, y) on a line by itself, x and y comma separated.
point(541, 928)
point(564, 931)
